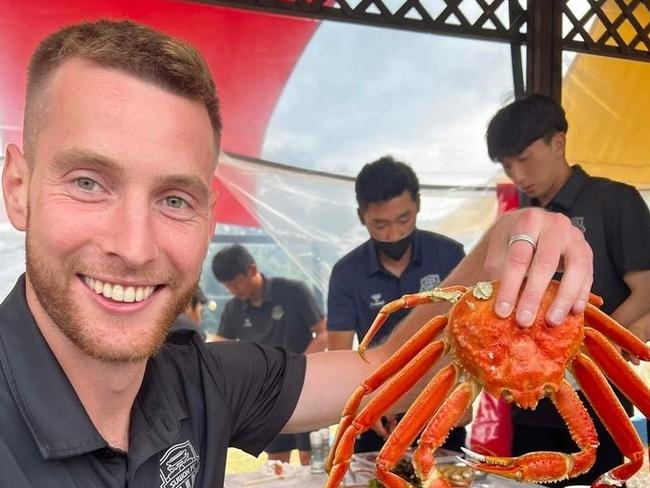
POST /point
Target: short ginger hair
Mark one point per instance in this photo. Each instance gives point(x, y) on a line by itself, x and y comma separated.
point(127, 46)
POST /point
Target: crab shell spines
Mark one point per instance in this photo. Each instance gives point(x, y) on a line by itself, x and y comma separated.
point(521, 363)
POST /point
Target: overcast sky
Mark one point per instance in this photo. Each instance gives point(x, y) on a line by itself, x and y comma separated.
point(360, 92)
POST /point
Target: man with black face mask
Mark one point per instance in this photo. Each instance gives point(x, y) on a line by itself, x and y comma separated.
point(396, 260)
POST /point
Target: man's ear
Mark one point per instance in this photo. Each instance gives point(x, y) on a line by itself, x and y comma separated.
point(360, 215)
point(417, 203)
point(558, 143)
point(15, 186)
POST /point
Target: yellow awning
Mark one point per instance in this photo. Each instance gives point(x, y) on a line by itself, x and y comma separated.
point(607, 102)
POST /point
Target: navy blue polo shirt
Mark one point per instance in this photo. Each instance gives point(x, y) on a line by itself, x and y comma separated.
point(359, 286)
point(195, 401)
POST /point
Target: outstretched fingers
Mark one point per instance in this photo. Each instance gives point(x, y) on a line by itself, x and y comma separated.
point(560, 243)
point(557, 242)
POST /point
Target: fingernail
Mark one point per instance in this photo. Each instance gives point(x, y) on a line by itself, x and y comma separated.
point(556, 316)
point(525, 317)
point(503, 309)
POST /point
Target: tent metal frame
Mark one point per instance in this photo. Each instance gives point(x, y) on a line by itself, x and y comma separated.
point(534, 23)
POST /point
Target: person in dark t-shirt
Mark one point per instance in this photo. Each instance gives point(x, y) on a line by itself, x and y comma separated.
point(271, 311)
point(528, 137)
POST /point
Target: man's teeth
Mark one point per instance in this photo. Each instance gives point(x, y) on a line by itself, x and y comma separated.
point(119, 293)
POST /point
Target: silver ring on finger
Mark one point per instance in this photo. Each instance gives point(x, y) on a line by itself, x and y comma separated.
point(525, 238)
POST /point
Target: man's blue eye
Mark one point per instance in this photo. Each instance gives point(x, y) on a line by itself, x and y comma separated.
point(176, 202)
point(86, 184)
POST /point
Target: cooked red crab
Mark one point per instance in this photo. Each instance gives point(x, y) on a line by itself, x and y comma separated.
point(519, 364)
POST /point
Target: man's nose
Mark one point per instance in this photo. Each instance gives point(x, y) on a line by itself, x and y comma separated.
point(132, 235)
point(517, 175)
point(394, 233)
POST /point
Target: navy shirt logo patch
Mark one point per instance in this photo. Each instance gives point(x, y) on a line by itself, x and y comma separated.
point(179, 466)
point(247, 323)
point(579, 222)
point(376, 301)
point(277, 312)
point(429, 282)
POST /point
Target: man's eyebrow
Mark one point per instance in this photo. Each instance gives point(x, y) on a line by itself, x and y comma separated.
point(406, 213)
point(72, 158)
point(194, 183)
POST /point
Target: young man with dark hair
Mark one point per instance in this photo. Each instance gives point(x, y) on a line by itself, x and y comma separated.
point(272, 311)
point(113, 190)
point(232, 261)
point(528, 137)
point(397, 259)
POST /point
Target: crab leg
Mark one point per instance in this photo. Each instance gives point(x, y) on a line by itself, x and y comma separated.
point(387, 396)
point(451, 294)
point(613, 415)
point(447, 416)
point(618, 370)
point(543, 466)
point(603, 323)
point(412, 424)
point(596, 300)
point(621, 374)
point(402, 356)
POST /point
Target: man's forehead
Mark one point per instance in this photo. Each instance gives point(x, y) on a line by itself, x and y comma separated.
point(390, 213)
point(110, 83)
point(89, 100)
point(106, 80)
point(530, 147)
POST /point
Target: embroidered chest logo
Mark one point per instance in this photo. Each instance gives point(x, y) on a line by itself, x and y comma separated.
point(429, 282)
point(179, 466)
point(579, 222)
point(376, 301)
point(247, 323)
point(277, 312)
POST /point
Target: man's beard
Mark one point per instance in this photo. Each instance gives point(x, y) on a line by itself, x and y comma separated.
point(52, 292)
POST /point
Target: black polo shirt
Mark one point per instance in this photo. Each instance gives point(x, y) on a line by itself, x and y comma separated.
point(616, 223)
point(194, 402)
point(284, 318)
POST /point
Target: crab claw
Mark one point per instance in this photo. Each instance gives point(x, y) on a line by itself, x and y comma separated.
point(533, 467)
point(475, 459)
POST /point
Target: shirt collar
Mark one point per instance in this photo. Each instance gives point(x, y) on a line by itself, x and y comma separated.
point(565, 198)
point(266, 297)
point(417, 257)
point(60, 426)
point(268, 289)
point(372, 260)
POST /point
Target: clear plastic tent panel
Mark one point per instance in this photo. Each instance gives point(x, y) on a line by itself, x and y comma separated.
point(313, 218)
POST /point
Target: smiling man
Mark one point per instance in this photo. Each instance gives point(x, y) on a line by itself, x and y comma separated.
point(113, 189)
